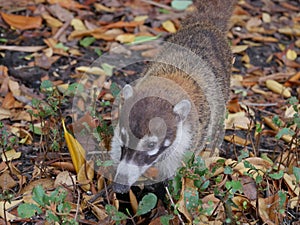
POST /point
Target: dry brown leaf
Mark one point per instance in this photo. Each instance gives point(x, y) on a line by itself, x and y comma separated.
point(249, 187)
point(64, 166)
point(237, 140)
point(266, 17)
point(69, 4)
point(21, 48)
point(6, 181)
point(10, 102)
point(239, 201)
point(14, 87)
point(100, 7)
point(65, 179)
point(45, 62)
point(237, 120)
point(4, 114)
point(22, 22)
point(268, 209)
point(133, 201)
point(290, 180)
point(181, 203)
point(91, 70)
point(7, 206)
point(99, 211)
point(233, 105)
point(122, 24)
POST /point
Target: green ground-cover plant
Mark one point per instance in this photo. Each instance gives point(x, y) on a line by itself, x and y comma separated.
point(53, 206)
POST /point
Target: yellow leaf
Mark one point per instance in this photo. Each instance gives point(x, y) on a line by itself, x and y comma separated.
point(140, 18)
point(278, 88)
point(238, 48)
point(77, 152)
point(169, 26)
point(125, 38)
point(10, 155)
point(85, 175)
point(266, 17)
point(291, 54)
point(51, 21)
point(78, 24)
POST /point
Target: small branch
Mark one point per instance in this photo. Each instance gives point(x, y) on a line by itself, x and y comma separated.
point(171, 199)
point(158, 4)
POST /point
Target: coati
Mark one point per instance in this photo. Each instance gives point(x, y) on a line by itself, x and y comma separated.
point(179, 103)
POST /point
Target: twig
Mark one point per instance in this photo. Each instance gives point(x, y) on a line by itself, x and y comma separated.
point(78, 204)
point(158, 4)
point(260, 104)
point(171, 199)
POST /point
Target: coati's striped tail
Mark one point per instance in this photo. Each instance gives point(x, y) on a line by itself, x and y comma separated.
point(214, 12)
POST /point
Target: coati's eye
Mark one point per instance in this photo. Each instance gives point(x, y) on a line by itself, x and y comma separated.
point(151, 144)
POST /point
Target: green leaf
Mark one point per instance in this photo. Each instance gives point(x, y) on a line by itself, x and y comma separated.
point(234, 186)
point(36, 130)
point(282, 198)
point(142, 39)
point(98, 51)
point(181, 4)
point(284, 131)
point(258, 128)
point(147, 204)
point(115, 89)
point(75, 88)
point(108, 69)
point(165, 220)
point(277, 121)
point(47, 85)
point(296, 172)
point(115, 215)
point(51, 217)
point(28, 210)
point(62, 46)
point(3, 40)
point(244, 154)
point(87, 41)
point(38, 195)
point(205, 185)
point(293, 100)
point(228, 170)
point(258, 179)
point(277, 176)
point(191, 197)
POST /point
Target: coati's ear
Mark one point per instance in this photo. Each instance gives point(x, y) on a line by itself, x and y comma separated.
point(127, 91)
point(182, 108)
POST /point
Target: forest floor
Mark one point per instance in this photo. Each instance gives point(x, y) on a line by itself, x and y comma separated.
point(62, 65)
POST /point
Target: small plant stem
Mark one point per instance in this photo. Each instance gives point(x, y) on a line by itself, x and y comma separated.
point(78, 204)
point(171, 199)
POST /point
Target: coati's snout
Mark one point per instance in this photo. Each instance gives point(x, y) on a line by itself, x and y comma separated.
point(147, 128)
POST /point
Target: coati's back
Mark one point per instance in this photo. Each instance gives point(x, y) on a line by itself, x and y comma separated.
point(179, 104)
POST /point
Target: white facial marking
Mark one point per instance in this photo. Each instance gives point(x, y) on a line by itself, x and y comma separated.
point(153, 152)
point(167, 143)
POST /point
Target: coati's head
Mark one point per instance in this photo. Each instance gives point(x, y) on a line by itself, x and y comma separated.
point(147, 128)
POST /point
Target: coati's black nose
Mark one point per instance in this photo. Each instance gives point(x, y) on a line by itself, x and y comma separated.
point(120, 188)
